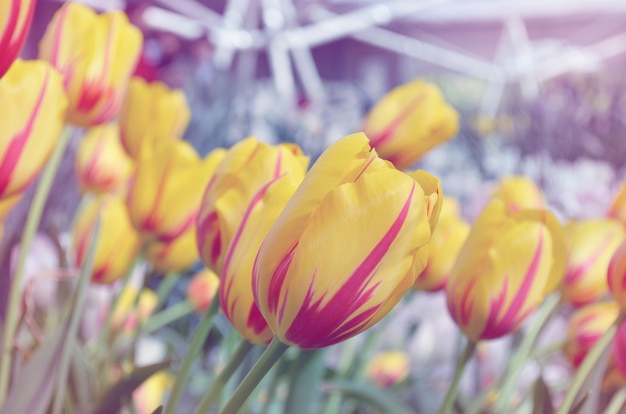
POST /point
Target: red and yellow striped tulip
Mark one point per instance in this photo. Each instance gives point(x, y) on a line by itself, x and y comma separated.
point(151, 112)
point(619, 349)
point(101, 164)
point(510, 261)
point(327, 270)
point(389, 368)
point(618, 206)
point(175, 256)
point(616, 275)
point(585, 327)
point(519, 192)
point(409, 121)
point(166, 189)
point(202, 289)
point(590, 245)
point(15, 19)
point(117, 244)
point(32, 114)
point(96, 54)
point(443, 248)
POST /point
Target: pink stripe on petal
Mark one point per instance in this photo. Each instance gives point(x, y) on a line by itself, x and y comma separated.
point(574, 274)
point(390, 130)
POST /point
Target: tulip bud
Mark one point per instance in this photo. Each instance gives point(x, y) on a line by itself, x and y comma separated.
point(388, 368)
point(616, 275)
point(151, 392)
point(15, 19)
point(117, 243)
point(202, 290)
point(585, 327)
point(519, 192)
point(443, 249)
point(101, 164)
point(151, 112)
point(510, 261)
point(32, 114)
point(166, 189)
point(590, 244)
point(619, 349)
point(175, 256)
point(96, 55)
point(409, 121)
point(321, 276)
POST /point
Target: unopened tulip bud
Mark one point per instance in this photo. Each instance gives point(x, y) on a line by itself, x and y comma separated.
point(202, 289)
point(519, 192)
point(389, 368)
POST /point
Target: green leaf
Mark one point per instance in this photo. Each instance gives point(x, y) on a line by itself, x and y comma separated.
point(307, 372)
point(122, 391)
point(368, 394)
point(542, 400)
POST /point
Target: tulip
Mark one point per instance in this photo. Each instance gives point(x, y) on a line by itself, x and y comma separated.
point(388, 368)
point(510, 261)
point(409, 121)
point(616, 275)
point(202, 289)
point(32, 114)
point(175, 256)
point(117, 244)
point(96, 54)
point(149, 395)
point(151, 112)
point(166, 189)
point(585, 327)
point(519, 192)
point(619, 349)
point(444, 246)
point(321, 275)
point(15, 19)
point(101, 164)
point(590, 245)
point(618, 206)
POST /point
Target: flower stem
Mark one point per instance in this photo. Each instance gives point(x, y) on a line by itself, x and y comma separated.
point(617, 402)
point(32, 223)
point(170, 314)
point(267, 360)
point(222, 378)
point(453, 390)
point(194, 348)
point(165, 288)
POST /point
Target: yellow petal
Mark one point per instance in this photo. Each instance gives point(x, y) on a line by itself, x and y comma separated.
point(15, 19)
point(175, 256)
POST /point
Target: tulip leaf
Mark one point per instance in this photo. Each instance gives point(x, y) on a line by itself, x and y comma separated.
point(79, 378)
point(307, 372)
point(122, 391)
point(542, 399)
point(368, 394)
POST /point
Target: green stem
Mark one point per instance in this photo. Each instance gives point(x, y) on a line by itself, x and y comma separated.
point(222, 378)
point(167, 315)
point(453, 390)
point(523, 352)
point(267, 360)
point(194, 348)
point(617, 402)
point(348, 355)
point(588, 364)
point(75, 316)
point(32, 223)
point(165, 288)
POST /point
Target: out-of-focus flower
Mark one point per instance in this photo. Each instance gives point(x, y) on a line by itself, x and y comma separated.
point(101, 164)
point(387, 369)
point(443, 248)
point(619, 349)
point(166, 189)
point(96, 55)
point(127, 314)
point(321, 276)
point(150, 395)
point(616, 275)
point(409, 121)
point(151, 112)
point(175, 256)
point(117, 243)
point(510, 261)
point(613, 379)
point(519, 192)
point(32, 114)
point(590, 245)
point(15, 19)
point(618, 206)
point(585, 327)
point(201, 290)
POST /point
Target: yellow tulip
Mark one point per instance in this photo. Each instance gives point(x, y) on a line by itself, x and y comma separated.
point(117, 243)
point(101, 164)
point(388, 368)
point(32, 114)
point(166, 189)
point(443, 248)
point(617, 275)
point(509, 262)
point(96, 54)
point(151, 112)
point(175, 256)
point(409, 121)
point(342, 253)
point(15, 19)
point(202, 289)
point(519, 192)
point(590, 245)
point(150, 394)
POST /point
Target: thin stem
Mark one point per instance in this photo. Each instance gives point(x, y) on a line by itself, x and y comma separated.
point(222, 378)
point(165, 288)
point(166, 316)
point(32, 223)
point(523, 352)
point(75, 317)
point(453, 390)
point(617, 402)
point(194, 348)
point(588, 364)
point(267, 360)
